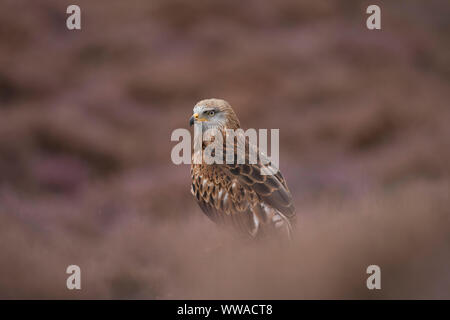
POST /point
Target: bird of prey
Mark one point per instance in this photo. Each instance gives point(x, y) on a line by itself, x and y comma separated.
point(238, 194)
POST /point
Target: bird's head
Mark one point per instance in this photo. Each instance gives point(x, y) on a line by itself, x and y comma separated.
point(214, 114)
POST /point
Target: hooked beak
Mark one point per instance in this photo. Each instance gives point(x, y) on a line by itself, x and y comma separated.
point(195, 118)
point(192, 119)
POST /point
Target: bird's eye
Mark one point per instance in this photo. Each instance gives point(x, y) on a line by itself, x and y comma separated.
point(211, 113)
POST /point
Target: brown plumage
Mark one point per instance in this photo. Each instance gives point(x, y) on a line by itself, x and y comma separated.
point(238, 194)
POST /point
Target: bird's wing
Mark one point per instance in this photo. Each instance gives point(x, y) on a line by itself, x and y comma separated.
point(272, 189)
point(240, 194)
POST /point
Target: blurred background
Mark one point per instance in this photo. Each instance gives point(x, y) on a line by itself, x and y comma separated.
point(86, 176)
